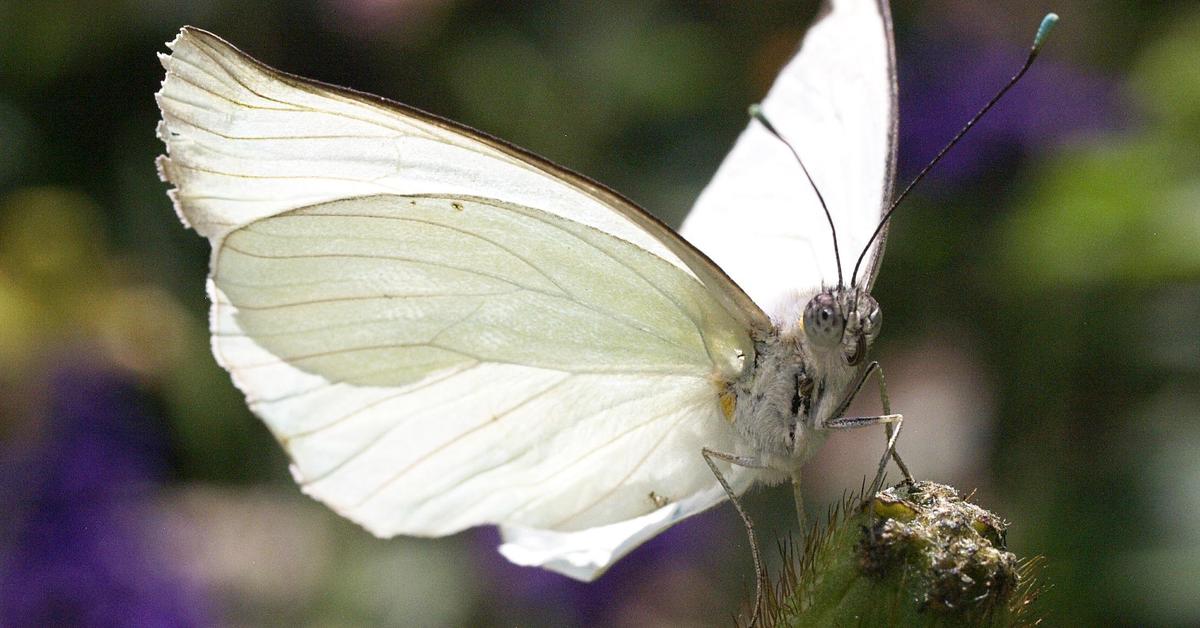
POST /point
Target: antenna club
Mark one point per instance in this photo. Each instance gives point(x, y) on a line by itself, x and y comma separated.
point(1044, 29)
point(1047, 24)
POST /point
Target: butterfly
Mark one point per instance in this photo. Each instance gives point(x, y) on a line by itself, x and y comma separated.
point(443, 330)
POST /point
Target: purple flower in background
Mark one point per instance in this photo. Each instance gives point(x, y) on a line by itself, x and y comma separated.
point(945, 81)
point(76, 541)
point(674, 578)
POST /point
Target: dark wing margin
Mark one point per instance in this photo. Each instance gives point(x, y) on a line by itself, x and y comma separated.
point(889, 175)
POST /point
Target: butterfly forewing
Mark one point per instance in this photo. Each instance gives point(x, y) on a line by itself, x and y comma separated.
point(835, 102)
point(247, 141)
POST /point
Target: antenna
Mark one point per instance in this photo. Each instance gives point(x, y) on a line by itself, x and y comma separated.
point(756, 112)
point(1043, 31)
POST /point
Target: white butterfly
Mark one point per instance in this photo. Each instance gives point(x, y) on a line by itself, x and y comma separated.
point(445, 331)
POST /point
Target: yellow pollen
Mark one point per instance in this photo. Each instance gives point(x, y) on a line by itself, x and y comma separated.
point(728, 403)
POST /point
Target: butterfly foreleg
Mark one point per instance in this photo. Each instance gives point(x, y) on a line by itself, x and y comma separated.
point(760, 575)
point(891, 422)
point(891, 431)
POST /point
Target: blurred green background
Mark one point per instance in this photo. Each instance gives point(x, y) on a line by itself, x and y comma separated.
point(1041, 291)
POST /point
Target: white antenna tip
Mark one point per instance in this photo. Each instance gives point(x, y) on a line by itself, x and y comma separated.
point(1043, 31)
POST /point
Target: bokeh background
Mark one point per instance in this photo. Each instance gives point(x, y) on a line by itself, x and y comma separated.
point(1041, 294)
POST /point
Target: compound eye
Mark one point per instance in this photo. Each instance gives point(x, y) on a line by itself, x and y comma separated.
point(823, 321)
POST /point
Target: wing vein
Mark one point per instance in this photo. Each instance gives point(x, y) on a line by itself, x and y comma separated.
point(457, 230)
point(286, 440)
point(678, 306)
point(394, 258)
point(576, 461)
point(291, 107)
point(369, 297)
point(412, 130)
point(456, 439)
point(609, 493)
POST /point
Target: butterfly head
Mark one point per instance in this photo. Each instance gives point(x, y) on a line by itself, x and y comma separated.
point(841, 320)
point(805, 372)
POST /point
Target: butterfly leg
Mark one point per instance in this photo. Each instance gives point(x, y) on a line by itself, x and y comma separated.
point(892, 433)
point(760, 575)
point(891, 422)
point(867, 421)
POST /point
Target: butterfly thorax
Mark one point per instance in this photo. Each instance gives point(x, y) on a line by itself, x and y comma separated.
point(807, 368)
